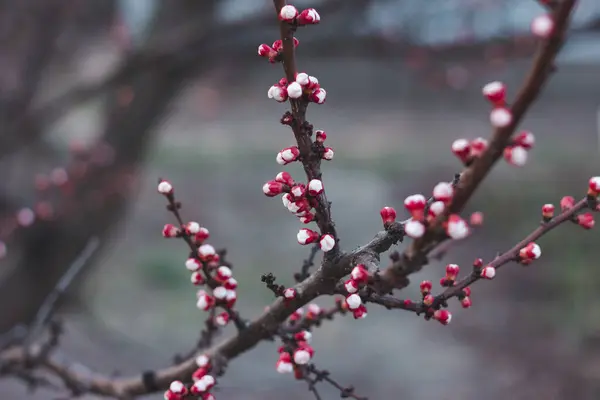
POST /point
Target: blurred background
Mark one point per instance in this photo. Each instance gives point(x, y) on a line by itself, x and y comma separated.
point(99, 98)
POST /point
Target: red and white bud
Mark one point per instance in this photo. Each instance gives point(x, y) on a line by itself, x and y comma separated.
point(542, 26)
point(203, 361)
point(478, 146)
point(285, 178)
point(436, 208)
point(313, 311)
point(288, 155)
point(313, 83)
point(307, 218)
point(191, 228)
point(298, 191)
point(272, 188)
point(206, 252)
point(309, 16)
point(223, 273)
point(165, 187)
point(290, 293)
point(388, 215)
point(328, 154)
point(488, 272)
point(425, 287)
point(303, 336)
point(302, 78)
point(197, 278)
point(443, 191)
point(515, 155)
point(360, 273)
point(301, 357)
point(299, 207)
point(586, 220)
point(205, 301)
point(287, 199)
point(495, 92)
point(414, 229)
point(462, 149)
point(209, 381)
point(525, 139)
point(288, 13)
point(353, 301)
point(360, 312)
point(415, 204)
point(465, 302)
point(318, 96)
point(170, 231)
point(199, 387)
point(231, 283)
point(428, 300)
point(443, 316)
point(284, 364)
point(327, 243)
point(548, 211)
point(530, 252)
point(278, 93)
point(500, 117)
point(192, 264)
point(594, 186)
point(220, 292)
point(178, 387)
point(452, 271)
point(351, 286)
point(264, 50)
point(315, 187)
point(222, 319)
point(201, 235)
point(320, 136)
point(294, 90)
point(456, 227)
point(566, 203)
point(168, 395)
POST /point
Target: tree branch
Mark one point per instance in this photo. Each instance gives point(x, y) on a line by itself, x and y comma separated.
point(415, 257)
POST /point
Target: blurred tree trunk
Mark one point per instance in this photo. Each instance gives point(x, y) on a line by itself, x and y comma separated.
point(98, 202)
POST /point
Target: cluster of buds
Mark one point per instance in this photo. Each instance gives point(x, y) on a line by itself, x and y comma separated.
point(295, 357)
point(516, 153)
point(441, 315)
point(204, 265)
point(424, 212)
point(299, 198)
point(223, 294)
point(200, 389)
point(307, 236)
point(272, 53)
point(468, 150)
point(63, 179)
point(290, 14)
point(354, 303)
point(358, 278)
point(500, 116)
point(304, 86)
point(485, 272)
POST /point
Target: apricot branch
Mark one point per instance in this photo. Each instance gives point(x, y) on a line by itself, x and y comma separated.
point(523, 252)
point(355, 274)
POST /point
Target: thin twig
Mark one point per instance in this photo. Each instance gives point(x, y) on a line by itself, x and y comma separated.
point(48, 307)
